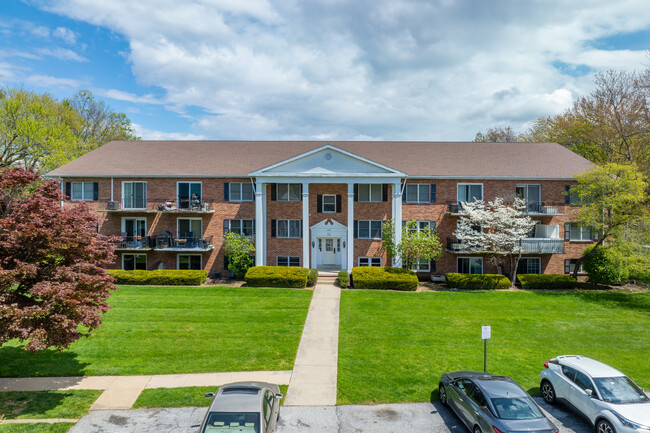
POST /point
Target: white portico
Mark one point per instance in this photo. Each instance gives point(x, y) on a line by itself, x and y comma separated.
point(325, 241)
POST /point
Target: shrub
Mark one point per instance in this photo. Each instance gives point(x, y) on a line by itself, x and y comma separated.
point(606, 266)
point(277, 276)
point(371, 277)
point(312, 278)
point(162, 277)
point(344, 279)
point(546, 282)
point(477, 281)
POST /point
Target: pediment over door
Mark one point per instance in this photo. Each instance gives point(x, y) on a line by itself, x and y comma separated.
point(328, 161)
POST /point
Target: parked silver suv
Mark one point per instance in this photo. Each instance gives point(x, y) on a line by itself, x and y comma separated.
point(607, 398)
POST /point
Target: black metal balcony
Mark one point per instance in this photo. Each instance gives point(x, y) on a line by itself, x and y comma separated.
point(166, 242)
point(131, 243)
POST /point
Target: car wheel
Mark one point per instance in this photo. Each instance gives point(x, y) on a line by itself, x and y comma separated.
point(548, 392)
point(477, 429)
point(604, 426)
point(442, 394)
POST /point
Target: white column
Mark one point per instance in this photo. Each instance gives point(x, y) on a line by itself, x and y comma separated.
point(305, 226)
point(397, 218)
point(260, 225)
point(350, 245)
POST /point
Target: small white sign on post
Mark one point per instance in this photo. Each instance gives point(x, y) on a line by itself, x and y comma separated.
point(486, 332)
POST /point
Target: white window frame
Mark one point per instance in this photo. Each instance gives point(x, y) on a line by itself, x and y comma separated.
point(83, 191)
point(458, 185)
point(369, 261)
point(427, 198)
point(328, 196)
point(241, 225)
point(288, 185)
point(131, 254)
point(572, 266)
point(582, 228)
point(423, 266)
point(381, 229)
point(277, 260)
point(178, 187)
point(124, 219)
point(124, 198)
point(418, 229)
point(470, 264)
point(178, 260)
point(241, 191)
point(539, 264)
point(371, 187)
point(289, 223)
point(178, 232)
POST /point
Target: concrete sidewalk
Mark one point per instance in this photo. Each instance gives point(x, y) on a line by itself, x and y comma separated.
point(313, 382)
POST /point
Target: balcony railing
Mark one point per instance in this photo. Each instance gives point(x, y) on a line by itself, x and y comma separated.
point(529, 246)
point(532, 209)
point(166, 242)
point(161, 205)
point(135, 243)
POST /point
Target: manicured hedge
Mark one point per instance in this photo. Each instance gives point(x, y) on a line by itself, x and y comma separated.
point(344, 279)
point(546, 282)
point(159, 277)
point(312, 278)
point(477, 281)
point(372, 277)
point(277, 276)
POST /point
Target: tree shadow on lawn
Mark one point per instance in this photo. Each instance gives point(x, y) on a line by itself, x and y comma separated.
point(622, 300)
point(29, 404)
point(15, 361)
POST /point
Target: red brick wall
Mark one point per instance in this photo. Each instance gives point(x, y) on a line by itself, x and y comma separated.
point(161, 189)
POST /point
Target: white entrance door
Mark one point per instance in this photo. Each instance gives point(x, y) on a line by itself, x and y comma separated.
point(329, 251)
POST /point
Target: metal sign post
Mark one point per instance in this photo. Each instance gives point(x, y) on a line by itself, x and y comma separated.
point(486, 333)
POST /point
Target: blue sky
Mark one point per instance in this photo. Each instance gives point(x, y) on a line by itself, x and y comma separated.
point(322, 69)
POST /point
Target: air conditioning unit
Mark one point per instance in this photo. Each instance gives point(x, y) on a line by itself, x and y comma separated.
point(438, 278)
point(113, 205)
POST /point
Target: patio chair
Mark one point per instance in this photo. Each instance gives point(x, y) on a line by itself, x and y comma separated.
point(189, 240)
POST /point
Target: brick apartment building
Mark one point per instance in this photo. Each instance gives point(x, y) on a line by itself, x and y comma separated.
point(320, 204)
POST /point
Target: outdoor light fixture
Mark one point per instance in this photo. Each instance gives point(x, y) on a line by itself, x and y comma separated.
point(313, 244)
point(343, 244)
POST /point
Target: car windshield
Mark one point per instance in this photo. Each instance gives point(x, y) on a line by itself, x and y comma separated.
point(619, 390)
point(220, 422)
point(515, 408)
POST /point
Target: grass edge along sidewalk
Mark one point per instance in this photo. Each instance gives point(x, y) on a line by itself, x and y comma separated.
point(393, 347)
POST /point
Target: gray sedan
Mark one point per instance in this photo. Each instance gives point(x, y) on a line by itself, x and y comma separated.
point(248, 407)
point(487, 403)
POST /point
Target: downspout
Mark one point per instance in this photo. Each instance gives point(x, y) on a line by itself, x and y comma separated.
point(112, 189)
point(62, 191)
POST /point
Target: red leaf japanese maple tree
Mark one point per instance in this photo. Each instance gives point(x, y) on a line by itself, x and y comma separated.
point(53, 288)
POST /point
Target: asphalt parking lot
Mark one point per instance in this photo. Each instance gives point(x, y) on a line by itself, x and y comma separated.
point(385, 418)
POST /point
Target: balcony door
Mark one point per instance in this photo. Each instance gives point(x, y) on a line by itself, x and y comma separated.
point(531, 194)
point(134, 227)
point(134, 195)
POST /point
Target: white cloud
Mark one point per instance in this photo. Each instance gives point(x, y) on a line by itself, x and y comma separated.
point(48, 82)
point(149, 134)
point(61, 54)
point(386, 69)
point(64, 34)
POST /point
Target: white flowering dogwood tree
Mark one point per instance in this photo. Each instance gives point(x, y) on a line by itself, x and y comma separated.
point(494, 228)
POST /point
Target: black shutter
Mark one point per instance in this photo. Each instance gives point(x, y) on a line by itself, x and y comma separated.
point(226, 262)
point(356, 229)
point(226, 191)
point(273, 228)
point(356, 192)
point(253, 227)
point(338, 203)
point(300, 229)
point(403, 223)
point(68, 190)
point(301, 191)
point(567, 266)
point(274, 191)
point(432, 268)
point(95, 190)
point(567, 196)
point(567, 231)
point(384, 192)
point(319, 203)
point(226, 226)
point(433, 193)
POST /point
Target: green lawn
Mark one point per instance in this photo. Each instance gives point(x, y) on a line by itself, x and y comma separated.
point(46, 404)
point(40, 427)
point(191, 396)
point(161, 330)
point(393, 347)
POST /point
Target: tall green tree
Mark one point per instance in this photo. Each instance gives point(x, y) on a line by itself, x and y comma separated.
point(239, 250)
point(498, 135)
point(612, 198)
point(417, 244)
point(39, 131)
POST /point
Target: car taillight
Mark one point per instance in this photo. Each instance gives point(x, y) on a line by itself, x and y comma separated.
point(496, 430)
point(546, 364)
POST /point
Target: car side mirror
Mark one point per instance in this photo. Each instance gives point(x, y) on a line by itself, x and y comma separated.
point(279, 396)
point(589, 392)
point(209, 395)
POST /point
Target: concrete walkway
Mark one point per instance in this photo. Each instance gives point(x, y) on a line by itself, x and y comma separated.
point(313, 382)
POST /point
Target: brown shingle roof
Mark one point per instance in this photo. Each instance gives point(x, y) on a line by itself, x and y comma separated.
point(238, 158)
